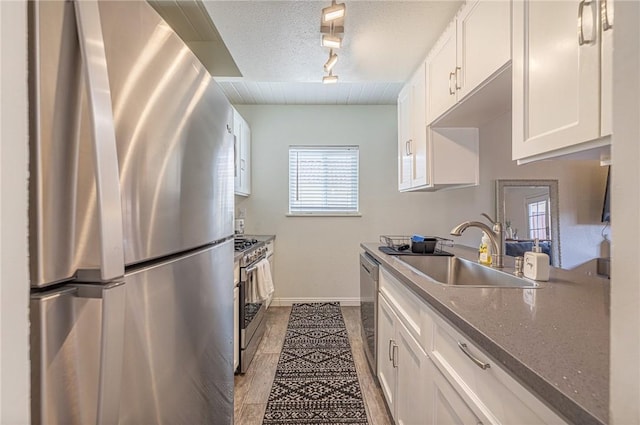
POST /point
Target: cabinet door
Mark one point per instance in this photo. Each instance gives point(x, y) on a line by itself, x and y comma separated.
point(441, 67)
point(245, 159)
point(448, 406)
point(404, 138)
point(556, 79)
point(413, 375)
point(418, 145)
point(237, 149)
point(242, 155)
point(386, 343)
point(483, 42)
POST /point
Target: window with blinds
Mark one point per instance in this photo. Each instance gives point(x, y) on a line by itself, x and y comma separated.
point(323, 180)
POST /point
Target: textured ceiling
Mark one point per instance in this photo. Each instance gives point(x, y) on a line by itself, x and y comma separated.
point(276, 46)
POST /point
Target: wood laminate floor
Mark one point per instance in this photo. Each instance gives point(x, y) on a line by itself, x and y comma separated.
point(252, 389)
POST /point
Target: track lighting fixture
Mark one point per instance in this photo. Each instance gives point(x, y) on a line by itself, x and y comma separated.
point(331, 41)
point(333, 58)
point(330, 79)
point(332, 23)
point(333, 12)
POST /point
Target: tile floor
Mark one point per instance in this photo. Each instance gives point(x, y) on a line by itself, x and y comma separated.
point(252, 389)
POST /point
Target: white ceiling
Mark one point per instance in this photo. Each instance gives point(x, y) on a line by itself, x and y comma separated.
point(276, 47)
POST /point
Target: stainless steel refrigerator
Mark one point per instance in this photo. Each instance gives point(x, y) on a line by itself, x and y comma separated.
point(131, 221)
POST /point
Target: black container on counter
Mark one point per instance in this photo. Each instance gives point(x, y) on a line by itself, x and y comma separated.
point(428, 246)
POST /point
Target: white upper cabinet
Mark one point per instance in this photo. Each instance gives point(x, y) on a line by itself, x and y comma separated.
point(441, 71)
point(432, 158)
point(475, 47)
point(561, 86)
point(412, 133)
point(483, 42)
point(242, 155)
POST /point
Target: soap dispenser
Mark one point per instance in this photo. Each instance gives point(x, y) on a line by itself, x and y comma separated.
point(536, 263)
point(484, 252)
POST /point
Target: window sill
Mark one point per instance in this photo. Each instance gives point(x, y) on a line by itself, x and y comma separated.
point(323, 214)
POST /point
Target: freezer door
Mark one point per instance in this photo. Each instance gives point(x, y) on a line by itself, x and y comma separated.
point(173, 133)
point(173, 153)
point(76, 354)
point(178, 345)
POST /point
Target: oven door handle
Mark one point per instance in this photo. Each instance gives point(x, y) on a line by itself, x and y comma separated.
point(254, 267)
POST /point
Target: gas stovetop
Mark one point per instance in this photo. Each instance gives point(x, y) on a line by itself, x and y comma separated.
point(242, 244)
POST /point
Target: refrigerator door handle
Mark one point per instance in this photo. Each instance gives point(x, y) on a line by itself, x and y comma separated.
point(111, 348)
point(104, 141)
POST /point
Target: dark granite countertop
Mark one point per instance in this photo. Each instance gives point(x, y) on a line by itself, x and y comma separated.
point(554, 339)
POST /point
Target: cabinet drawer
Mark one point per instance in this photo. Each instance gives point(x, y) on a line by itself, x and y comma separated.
point(411, 310)
point(493, 395)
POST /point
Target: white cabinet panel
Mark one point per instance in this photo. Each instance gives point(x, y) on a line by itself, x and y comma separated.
point(242, 155)
point(404, 138)
point(492, 394)
point(402, 368)
point(557, 78)
point(412, 133)
point(473, 49)
point(483, 42)
point(448, 406)
point(412, 379)
point(386, 336)
point(441, 69)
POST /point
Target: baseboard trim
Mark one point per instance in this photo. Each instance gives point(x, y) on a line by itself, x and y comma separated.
point(287, 302)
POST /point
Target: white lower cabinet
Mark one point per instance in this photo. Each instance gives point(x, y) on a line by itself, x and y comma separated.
point(431, 373)
point(493, 395)
point(448, 407)
point(402, 368)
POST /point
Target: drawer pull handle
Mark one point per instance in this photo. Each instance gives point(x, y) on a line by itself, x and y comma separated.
point(478, 363)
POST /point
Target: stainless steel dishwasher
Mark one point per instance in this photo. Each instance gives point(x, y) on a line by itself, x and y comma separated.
point(369, 268)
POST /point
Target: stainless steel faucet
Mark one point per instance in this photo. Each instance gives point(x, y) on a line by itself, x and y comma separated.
point(496, 236)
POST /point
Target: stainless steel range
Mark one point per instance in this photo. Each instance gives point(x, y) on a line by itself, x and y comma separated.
point(252, 311)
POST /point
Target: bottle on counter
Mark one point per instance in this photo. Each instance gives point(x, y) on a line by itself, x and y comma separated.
point(484, 252)
point(536, 263)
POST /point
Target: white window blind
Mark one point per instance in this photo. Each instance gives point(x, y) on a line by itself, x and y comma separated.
point(323, 179)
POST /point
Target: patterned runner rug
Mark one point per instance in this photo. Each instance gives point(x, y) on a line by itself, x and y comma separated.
point(316, 381)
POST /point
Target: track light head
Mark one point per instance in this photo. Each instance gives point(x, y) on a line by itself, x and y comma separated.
point(333, 58)
point(333, 12)
point(331, 41)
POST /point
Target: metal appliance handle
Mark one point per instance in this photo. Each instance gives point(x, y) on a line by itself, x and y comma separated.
point(103, 138)
point(482, 365)
point(111, 348)
point(251, 269)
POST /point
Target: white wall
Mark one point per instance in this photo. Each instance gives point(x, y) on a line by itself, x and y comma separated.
point(318, 257)
point(14, 283)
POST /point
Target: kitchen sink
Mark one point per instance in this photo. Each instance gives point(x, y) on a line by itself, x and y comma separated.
point(460, 272)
